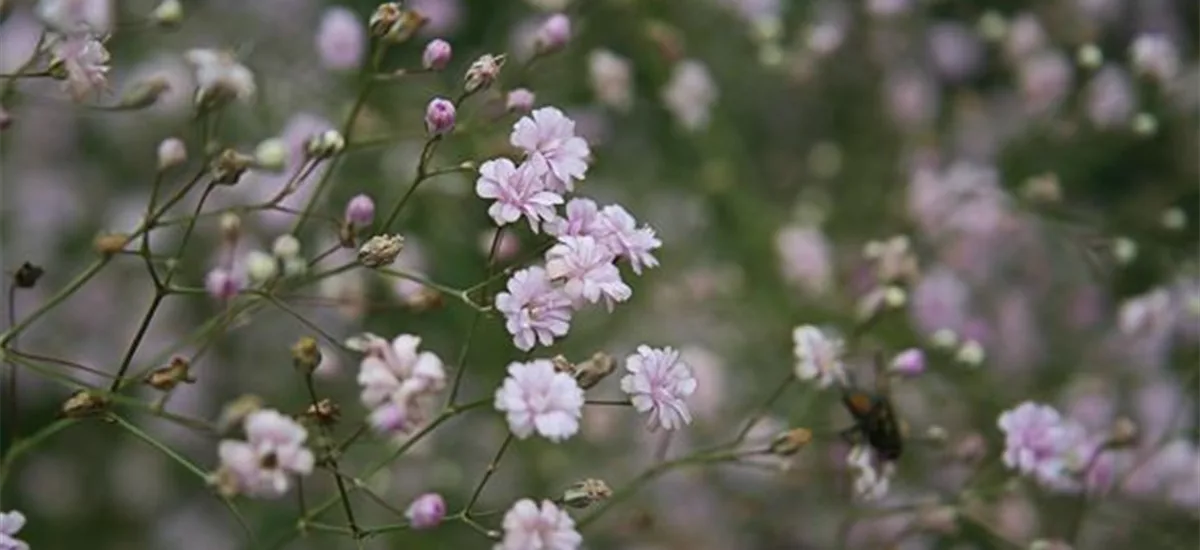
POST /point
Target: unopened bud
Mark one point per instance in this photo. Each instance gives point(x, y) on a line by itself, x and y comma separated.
point(237, 410)
point(992, 26)
point(271, 154)
point(360, 211)
point(944, 338)
point(230, 227)
point(166, 378)
point(1089, 56)
point(324, 412)
point(380, 250)
point(168, 13)
point(171, 153)
point(325, 145)
point(1124, 250)
point(306, 354)
point(1145, 124)
point(591, 372)
point(910, 362)
point(1124, 433)
point(439, 116)
point(970, 353)
point(229, 166)
point(1174, 219)
point(261, 266)
point(437, 55)
point(519, 101)
point(110, 243)
point(395, 24)
point(585, 493)
point(894, 297)
point(27, 275)
point(483, 72)
point(144, 93)
point(790, 442)
point(554, 33)
point(285, 247)
point(83, 403)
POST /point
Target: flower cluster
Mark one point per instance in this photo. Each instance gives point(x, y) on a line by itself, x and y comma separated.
point(1056, 452)
point(395, 379)
point(580, 268)
point(263, 464)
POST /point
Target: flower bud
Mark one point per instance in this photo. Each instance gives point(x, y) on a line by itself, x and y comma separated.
point(261, 266)
point(591, 372)
point(230, 227)
point(585, 493)
point(483, 72)
point(554, 34)
point(395, 24)
point(1089, 56)
point(944, 338)
point(1174, 219)
point(426, 511)
point(166, 378)
point(306, 354)
point(237, 410)
point(168, 13)
point(83, 403)
point(439, 116)
point(222, 284)
point(229, 166)
point(27, 275)
point(1124, 250)
point(1145, 124)
point(325, 145)
point(144, 93)
point(519, 101)
point(110, 243)
point(360, 211)
point(437, 55)
point(380, 250)
point(171, 153)
point(971, 353)
point(271, 154)
point(286, 247)
point(910, 362)
point(790, 442)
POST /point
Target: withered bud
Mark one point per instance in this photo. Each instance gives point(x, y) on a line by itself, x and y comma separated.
point(229, 166)
point(224, 482)
point(166, 378)
point(561, 364)
point(306, 354)
point(237, 410)
point(231, 227)
point(790, 442)
point(424, 299)
point(1124, 433)
point(346, 237)
point(591, 372)
point(483, 72)
point(110, 243)
point(83, 403)
point(324, 412)
point(395, 24)
point(27, 275)
point(380, 250)
point(585, 493)
point(144, 93)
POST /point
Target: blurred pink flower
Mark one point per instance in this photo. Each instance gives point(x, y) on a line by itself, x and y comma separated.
point(712, 383)
point(1056, 452)
point(536, 398)
point(658, 383)
point(341, 38)
point(548, 137)
point(586, 268)
point(437, 55)
point(223, 284)
point(518, 191)
point(442, 16)
point(818, 356)
point(939, 302)
point(360, 210)
point(1025, 37)
point(554, 33)
point(274, 451)
point(913, 98)
point(690, 94)
point(528, 527)
point(10, 524)
point(888, 8)
point(1044, 79)
point(1172, 472)
point(534, 309)
point(805, 258)
point(85, 60)
point(611, 78)
point(426, 511)
point(1109, 97)
point(1154, 55)
point(910, 362)
point(69, 16)
point(957, 52)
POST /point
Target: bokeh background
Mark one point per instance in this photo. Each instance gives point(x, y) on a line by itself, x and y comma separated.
point(767, 142)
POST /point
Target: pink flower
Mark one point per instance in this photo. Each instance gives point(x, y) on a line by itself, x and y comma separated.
point(10, 524)
point(341, 38)
point(535, 397)
point(582, 219)
point(519, 100)
point(439, 116)
point(658, 383)
point(534, 309)
point(1154, 55)
point(818, 356)
point(554, 33)
point(1056, 452)
point(223, 284)
point(618, 230)
point(1110, 98)
point(426, 511)
point(518, 191)
point(548, 137)
point(910, 362)
point(85, 60)
point(588, 269)
point(528, 527)
point(805, 257)
point(360, 210)
point(1044, 79)
point(273, 451)
point(1172, 473)
point(394, 379)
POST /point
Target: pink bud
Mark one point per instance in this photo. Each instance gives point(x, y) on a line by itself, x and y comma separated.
point(341, 38)
point(222, 284)
point(910, 362)
point(437, 55)
point(554, 33)
point(439, 116)
point(360, 211)
point(520, 100)
point(426, 511)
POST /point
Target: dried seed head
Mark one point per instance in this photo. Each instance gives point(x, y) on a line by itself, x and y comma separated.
point(393, 23)
point(591, 372)
point(229, 166)
point(585, 493)
point(483, 72)
point(166, 378)
point(380, 250)
point(306, 354)
point(790, 442)
point(28, 275)
point(83, 403)
point(324, 412)
point(110, 243)
point(561, 364)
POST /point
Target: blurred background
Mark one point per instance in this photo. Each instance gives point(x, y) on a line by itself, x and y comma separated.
point(1043, 168)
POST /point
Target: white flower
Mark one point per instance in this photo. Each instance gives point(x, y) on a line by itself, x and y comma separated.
point(689, 94)
point(10, 524)
point(658, 383)
point(273, 451)
point(617, 229)
point(219, 73)
point(528, 527)
point(588, 269)
point(869, 483)
point(393, 378)
point(535, 397)
point(548, 136)
point(818, 356)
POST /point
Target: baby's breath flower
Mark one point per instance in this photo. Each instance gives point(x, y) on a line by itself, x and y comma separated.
point(10, 524)
point(340, 39)
point(426, 511)
point(554, 33)
point(537, 398)
point(611, 77)
point(171, 153)
point(396, 379)
point(548, 138)
point(83, 60)
point(223, 284)
point(818, 356)
point(519, 100)
point(518, 191)
point(657, 384)
point(690, 94)
point(1155, 55)
point(587, 268)
point(535, 310)
point(273, 452)
point(528, 526)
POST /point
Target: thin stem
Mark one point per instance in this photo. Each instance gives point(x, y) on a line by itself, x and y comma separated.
point(341, 485)
point(19, 447)
point(420, 176)
point(765, 407)
point(8, 420)
point(487, 475)
point(475, 318)
point(162, 448)
point(609, 402)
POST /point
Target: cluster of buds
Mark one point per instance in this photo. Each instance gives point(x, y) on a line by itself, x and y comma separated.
point(324, 145)
point(590, 372)
point(392, 23)
point(166, 378)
